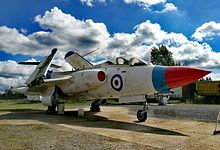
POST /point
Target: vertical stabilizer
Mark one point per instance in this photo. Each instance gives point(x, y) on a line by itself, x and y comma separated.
point(41, 70)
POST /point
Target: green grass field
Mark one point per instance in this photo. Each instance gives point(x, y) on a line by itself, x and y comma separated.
point(22, 105)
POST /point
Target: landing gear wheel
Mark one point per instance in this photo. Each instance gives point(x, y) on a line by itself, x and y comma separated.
point(141, 115)
point(95, 106)
point(95, 109)
point(51, 109)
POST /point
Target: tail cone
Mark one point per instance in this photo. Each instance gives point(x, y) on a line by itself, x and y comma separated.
point(180, 76)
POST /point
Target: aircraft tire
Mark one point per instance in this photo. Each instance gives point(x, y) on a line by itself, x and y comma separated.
point(141, 117)
point(95, 109)
point(51, 109)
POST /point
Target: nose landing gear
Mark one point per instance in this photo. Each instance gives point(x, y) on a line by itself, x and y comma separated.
point(142, 113)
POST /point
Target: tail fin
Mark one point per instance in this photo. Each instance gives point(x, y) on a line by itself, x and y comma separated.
point(41, 70)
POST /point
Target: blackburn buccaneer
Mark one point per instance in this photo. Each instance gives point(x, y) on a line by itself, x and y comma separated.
point(128, 80)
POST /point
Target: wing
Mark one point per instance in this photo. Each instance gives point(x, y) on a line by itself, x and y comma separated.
point(77, 61)
point(56, 81)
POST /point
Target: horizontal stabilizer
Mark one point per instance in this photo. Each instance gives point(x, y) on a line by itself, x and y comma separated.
point(77, 61)
point(37, 63)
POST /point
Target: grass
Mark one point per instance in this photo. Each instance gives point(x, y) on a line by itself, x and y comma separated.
point(22, 105)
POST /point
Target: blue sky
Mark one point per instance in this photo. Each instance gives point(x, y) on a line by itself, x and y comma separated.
point(116, 15)
point(190, 29)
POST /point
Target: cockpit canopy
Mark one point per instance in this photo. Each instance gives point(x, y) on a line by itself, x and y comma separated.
point(132, 61)
point(122, 61)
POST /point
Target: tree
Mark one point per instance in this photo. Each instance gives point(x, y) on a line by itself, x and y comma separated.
point(162, 56)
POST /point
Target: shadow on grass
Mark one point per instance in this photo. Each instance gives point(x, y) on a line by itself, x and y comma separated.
point(90, 119)
point(18, 110)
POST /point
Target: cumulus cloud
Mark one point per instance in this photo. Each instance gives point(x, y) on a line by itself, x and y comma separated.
point(90, 3)
point(147, 35)
point(146, 4)
point(68, 33)
point(168, 7)
point(87, 2)
point(12, 74)
point(207, 31)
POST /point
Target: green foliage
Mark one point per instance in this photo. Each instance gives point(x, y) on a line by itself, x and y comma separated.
point(162, 56)
point(10, 96)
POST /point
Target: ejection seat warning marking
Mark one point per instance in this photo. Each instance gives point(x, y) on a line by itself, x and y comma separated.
point(117, 82)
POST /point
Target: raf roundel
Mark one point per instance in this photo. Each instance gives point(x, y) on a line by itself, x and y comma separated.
point(116, 82)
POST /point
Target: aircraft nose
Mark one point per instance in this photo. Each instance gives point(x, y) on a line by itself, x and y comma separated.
point(179, 76)
point(165, 78)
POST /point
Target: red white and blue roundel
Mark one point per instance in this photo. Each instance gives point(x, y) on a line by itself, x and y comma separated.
point(117, 82)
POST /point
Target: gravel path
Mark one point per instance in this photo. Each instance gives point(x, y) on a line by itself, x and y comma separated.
point(206, 113)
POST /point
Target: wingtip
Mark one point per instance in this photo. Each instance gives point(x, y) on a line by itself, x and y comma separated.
point(54, 50)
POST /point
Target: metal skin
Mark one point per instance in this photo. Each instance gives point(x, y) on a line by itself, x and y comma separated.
point(128, 80)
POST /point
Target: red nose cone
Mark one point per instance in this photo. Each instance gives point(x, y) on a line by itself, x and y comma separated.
point(180, 76)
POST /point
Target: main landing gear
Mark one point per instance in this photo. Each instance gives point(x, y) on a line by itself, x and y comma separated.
point(57, 108)
point(142, 113)
point(57, 105)
point(95, 106)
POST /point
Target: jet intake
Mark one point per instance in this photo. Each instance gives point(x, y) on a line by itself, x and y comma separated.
point(85, 80)
point(101, 76)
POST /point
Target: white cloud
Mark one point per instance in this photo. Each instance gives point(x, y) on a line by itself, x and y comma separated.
point(90, 3)
point(24, 31)
point(67, 34)
point(15, 42)
point(11, 67)
point(168, 7)
point(146, 4)
point(207, 31)
point(148, 32)
point(87, 2)
point(12, 74)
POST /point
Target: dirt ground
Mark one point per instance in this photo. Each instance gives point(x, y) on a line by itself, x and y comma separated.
point(112, 128)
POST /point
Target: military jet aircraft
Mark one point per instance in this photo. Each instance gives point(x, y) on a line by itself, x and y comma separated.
point(128, 80)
